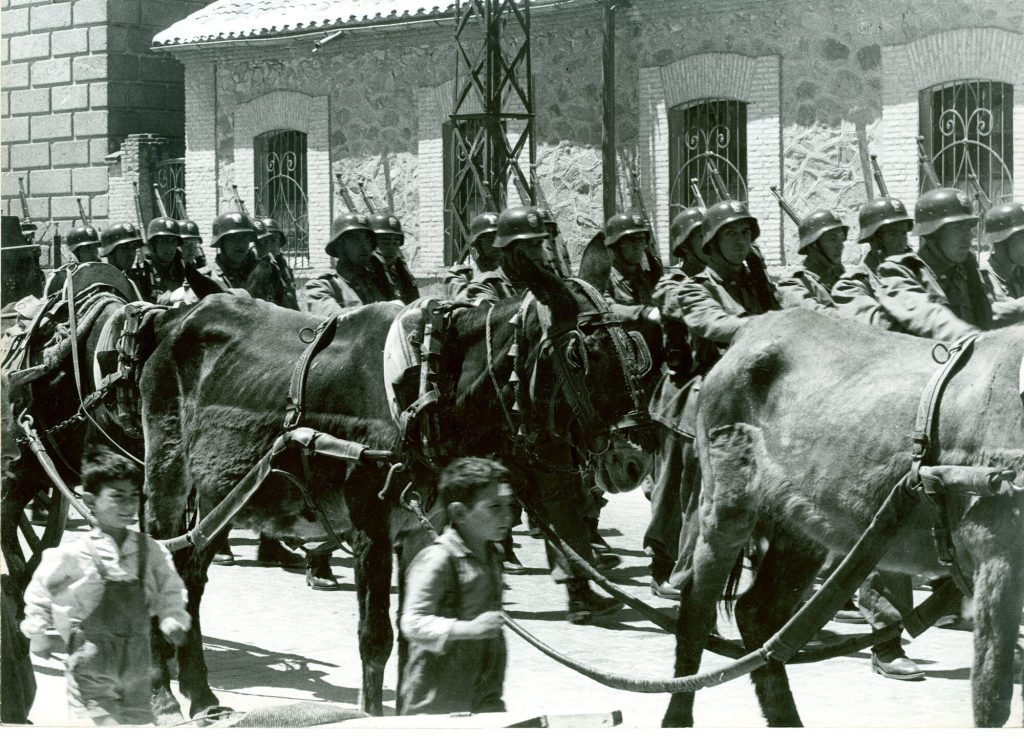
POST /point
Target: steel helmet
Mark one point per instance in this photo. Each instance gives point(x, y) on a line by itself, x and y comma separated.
point(816, 225)
point(485, 223)
point(386, 223)
point(231, 223)
point(549, 220)
point(1001, 222)
point(81, 236)
point(723, 213)
point(343, 224)
point(270, 228)
point(683, 227)
point(189, 229)
point(519, 223)
point(163, 227)
point(880, 212)
point(114, 236)
point(940, 207)
point(623, 224)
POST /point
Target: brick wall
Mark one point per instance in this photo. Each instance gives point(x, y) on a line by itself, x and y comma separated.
point(78, 77)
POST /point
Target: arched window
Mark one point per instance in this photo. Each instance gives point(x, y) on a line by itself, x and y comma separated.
point(707, 139)
point(967, 127)
point(279, 167)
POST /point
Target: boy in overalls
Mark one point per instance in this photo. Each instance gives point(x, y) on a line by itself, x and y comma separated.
point(97, 594)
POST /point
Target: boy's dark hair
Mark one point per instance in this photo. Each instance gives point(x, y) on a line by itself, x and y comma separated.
point(464, 478)
point(103, 466)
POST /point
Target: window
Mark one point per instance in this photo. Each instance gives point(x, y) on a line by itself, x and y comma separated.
point(464, 169)
point(280, 184)
point(169, 175)
point(967, 127)
point(707, 137)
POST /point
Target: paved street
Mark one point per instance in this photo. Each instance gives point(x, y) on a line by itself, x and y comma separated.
point(271, 640)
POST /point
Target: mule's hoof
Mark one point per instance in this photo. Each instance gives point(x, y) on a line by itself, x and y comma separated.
point(898, 668)
point(211, 715)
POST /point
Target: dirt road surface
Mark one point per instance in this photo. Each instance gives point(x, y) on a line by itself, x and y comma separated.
point(271, 640)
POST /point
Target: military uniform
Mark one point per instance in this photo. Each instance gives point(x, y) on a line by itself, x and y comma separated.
point(456, 279)
point(810, 285)
point(486, 288)
point(400, 282)
point(228, 277)
point(342, 289)
point(1002, 279)
point(630, 292)
point(855, 295)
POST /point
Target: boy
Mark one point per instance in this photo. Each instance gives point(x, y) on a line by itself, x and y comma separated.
point(452, 615)
point(97, 594)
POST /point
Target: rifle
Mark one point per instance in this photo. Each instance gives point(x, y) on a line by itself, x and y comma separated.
point(695, 188)
point(931, 179)
point(138, 208)
point(239, 203)
point(785, 206)
point(366, 198)
point(721, 191)
point(653, 258)
point(386, 160)
point(561, 253)
point(28, 229)
point(879, 179)
point(159, 201)
point(972, 176)
point(81, 212)
point(865, 164)
point(343, 191)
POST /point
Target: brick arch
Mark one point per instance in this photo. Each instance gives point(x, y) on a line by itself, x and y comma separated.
point(295, 111)
point(965, 53)
point(708, 76)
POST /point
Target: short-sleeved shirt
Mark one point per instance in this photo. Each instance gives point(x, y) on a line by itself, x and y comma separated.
point(447, 583)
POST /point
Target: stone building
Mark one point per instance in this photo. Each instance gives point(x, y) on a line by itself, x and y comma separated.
point(775, 92)
point(78, 79)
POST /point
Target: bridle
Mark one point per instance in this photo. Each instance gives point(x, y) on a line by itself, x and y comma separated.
point(563, 344)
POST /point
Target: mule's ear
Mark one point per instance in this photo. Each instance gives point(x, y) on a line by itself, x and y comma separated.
point(596, 263)
point(201, 284)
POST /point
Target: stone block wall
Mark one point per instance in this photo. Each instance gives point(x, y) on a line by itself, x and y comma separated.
point(78, 77)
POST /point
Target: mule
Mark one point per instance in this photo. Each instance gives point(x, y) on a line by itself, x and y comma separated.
point(809, 443)
point(214, 396)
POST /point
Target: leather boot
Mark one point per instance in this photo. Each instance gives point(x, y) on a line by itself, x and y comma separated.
point(889, 660)
point(271, 552)
point(585, 605)
point(318, 572)
point(511, 564)
point(224, 556)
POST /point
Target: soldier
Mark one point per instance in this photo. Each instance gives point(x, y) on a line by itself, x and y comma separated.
point(884, 224)
point(191, 243)
point(491, 284)
point(631, 288)
point(1003, 269)
point(557, 246)
point(164, 239)
point(119, 246)
point(234, 237)
point(482, 230)
point(352, 283)
point(713, 304)
point(84, 243)
point(822, 236)
point(938, 292)
point(661, 540)
point(389, 239)
point(270, 240)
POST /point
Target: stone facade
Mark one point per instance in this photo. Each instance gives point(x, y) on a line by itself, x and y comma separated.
point(78, 77)
point(812, 75)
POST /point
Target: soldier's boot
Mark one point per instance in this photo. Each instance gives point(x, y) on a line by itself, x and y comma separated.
point(511, 564)
point(272, 552)
point(318, 572)
point(889, 660)
point(224, 555)
point(585, 605)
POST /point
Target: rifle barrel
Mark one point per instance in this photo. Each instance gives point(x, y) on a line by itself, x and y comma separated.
point(721, 191)
point(697, 194)
point(785, 206)
point(159, 201)
point(81, 212)
point(366, 198)
point(343, 191)
point(930, 177)
point(239, 203)
point(138, 207)
point(876, 170)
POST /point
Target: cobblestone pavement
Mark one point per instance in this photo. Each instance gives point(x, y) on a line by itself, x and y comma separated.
point(270, 640)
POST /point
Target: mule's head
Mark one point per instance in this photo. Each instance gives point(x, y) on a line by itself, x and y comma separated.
point(582, 375)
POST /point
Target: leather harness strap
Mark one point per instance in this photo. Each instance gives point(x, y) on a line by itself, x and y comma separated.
point(925, 432)
point(322, 336)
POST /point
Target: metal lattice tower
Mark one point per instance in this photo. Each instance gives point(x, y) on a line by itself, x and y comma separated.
point(492, 120)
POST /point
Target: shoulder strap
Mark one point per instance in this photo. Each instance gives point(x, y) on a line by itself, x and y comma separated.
point(322, 336)
point(96, 557)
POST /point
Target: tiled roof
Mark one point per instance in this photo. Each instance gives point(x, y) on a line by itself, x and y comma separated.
point(224, 20)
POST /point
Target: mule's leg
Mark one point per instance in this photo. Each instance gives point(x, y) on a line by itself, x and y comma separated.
point(994, 540)
point(371, 548)
point(727, 518)
point(193, 678)
point(786, 572)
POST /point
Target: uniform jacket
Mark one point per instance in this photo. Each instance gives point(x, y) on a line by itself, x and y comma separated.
point(347, 287)
point(228, 277)
point(809, 285)
point(486, 288)
point(629, 292)
point(456, 279)
point(713, 308)
point(855, 295)
point(400, 281)
point(1003, 281)
point(66, 587)
point(931, 297)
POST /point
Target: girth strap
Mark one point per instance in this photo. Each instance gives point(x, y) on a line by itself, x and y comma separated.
point(322, 336)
